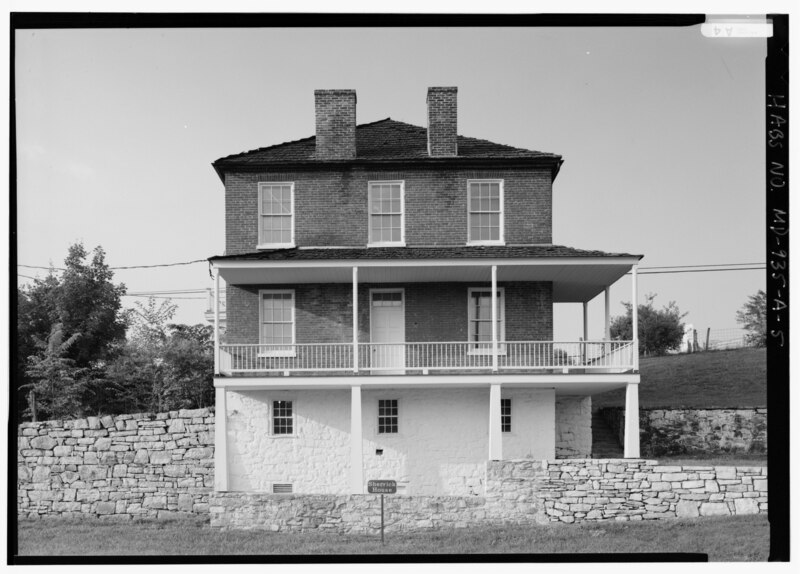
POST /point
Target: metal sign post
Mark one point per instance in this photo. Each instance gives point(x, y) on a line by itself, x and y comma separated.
point(381, 487)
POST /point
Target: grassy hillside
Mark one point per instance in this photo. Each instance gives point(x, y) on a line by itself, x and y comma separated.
point(734, 378)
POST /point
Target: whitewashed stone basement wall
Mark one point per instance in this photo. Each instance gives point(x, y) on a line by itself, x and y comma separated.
point(141, 465)
point(517, 492)
point(573, 427)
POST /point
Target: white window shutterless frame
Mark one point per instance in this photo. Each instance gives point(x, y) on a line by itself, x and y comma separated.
point(275, 215)
point(276, 323)
point(386, 208)
point(479, 313)
point(485, 214)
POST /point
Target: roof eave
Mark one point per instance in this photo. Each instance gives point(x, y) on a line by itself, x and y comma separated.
point(554, 162)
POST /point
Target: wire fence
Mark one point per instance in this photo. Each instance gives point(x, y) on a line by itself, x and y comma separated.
point(696, 340)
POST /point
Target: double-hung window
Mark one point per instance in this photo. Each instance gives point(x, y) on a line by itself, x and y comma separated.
point(505, 415)
point(275, 215)
point(387, 416)
point(480, 319)
point(485, 212)
point(276, 323)
point(386, 217)
point(282, 418)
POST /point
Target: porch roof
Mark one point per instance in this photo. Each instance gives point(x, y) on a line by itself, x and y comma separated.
point(577, 275)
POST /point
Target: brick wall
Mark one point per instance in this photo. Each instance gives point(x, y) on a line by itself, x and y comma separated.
point(335, 114)
point(331, 206)
point(434, 311)
point(442, 122)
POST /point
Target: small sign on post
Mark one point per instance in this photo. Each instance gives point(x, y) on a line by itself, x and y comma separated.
point(381, 487)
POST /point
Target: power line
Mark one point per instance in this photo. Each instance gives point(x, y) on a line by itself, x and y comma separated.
point(122, 267)
point(694, 266)
point(700, 270)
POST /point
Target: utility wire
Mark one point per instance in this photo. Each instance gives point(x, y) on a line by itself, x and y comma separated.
point(693, 266)
point(123, 267)
point(699, 270)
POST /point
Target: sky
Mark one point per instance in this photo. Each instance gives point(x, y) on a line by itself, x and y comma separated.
point(661, 130)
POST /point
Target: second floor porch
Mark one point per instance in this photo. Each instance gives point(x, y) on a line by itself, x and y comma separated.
point(306, 312)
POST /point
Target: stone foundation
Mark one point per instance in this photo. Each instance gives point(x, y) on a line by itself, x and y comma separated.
point(517, 492)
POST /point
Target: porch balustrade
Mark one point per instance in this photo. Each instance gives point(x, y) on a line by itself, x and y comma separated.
point(396, 358)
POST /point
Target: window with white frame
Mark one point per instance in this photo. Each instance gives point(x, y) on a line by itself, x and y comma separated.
point(282, 418)
point(387, 416)
point(505, 415)
point(480, 318)
point(277, 323)
point(386, 218)
point(275, 214)
point(485, 206)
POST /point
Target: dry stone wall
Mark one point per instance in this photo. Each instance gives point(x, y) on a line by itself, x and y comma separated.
point(141, 465)
point(618, 489)
point(687, 431)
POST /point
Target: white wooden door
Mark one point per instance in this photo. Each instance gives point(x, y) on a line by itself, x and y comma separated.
point(388, 330)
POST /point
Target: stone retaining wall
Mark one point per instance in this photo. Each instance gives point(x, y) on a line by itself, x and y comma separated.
point(618, 489)
point(142, 465)
point(349, 513)
point(687, 431)
point(517, 492)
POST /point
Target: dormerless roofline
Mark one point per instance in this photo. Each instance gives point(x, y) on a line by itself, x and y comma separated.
point(409, 163)
point(472, 262)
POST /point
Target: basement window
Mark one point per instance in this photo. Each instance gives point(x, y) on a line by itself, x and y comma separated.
point(281, 488)
point(387, 416)
point(282, 418)
point(505, 415)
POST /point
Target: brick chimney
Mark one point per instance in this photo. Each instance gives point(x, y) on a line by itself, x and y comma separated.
point(442, 122)
point(336, 124)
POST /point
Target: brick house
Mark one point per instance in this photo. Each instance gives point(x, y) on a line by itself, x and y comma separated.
point(389, 309)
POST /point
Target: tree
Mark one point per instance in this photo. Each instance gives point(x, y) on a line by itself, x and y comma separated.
point(69, 327)
point(56, 381)
point(163, 366)
point(660, 330)
point(89, 304)
point(753, 317)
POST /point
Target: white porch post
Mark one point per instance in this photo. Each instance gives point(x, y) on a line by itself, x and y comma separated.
point(356, 446)
point(216, 321)
point(585, 330)
point(495, 434)
point(494, 322)
point(607, 301)
point(220, 440)
point(632, 421)
point(355, 319)
point(635, 317)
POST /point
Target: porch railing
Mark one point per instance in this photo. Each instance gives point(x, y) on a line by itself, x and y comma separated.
point(386, 358)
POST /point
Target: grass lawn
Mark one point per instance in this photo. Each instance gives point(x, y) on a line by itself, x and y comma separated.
point(733, 378)
point(741, 538)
